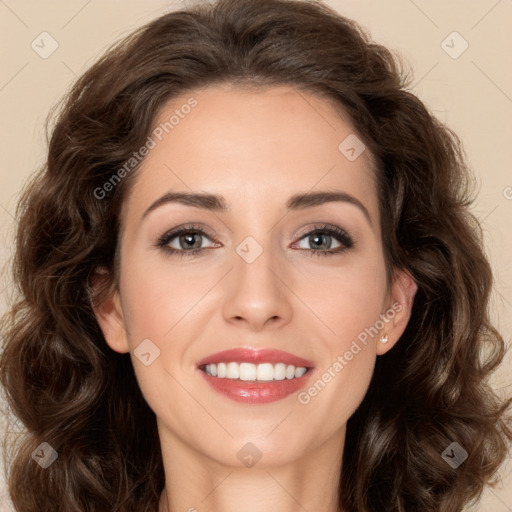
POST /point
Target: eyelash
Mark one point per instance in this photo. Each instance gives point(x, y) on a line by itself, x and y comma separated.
point(339, 234)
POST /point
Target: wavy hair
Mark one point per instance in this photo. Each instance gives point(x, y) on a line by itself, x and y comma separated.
point(60, 377)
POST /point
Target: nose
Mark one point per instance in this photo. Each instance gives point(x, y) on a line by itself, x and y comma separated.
point(257, 293)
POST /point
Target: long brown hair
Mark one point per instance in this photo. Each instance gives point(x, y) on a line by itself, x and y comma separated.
point(62, 380)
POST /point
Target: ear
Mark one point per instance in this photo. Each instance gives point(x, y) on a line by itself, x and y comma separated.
point(398, 313)
point(106, 304)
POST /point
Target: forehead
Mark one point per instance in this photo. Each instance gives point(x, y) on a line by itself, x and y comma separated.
point(253, 146)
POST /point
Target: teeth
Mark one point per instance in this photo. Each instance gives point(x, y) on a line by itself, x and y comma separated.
point(255, 372)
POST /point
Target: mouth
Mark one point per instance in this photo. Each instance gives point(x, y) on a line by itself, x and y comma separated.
point(249, 372)
point(255, 376)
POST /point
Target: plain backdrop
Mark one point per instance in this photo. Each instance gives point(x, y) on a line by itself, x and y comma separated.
point(458, 52)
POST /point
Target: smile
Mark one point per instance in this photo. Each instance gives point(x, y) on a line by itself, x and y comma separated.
point(263, 372)
point(255, 376)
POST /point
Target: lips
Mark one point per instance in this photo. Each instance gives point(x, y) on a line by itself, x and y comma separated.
point(249, 355)
point(255, 392)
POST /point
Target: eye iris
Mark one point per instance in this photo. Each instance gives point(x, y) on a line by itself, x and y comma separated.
point(315, 237)
point(187, 240)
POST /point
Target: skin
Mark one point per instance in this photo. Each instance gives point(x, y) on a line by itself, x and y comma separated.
point(256, 148)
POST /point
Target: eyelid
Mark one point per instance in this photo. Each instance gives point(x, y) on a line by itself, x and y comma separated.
point(346, 237)
point(306, 231)
point(164, 239)
point(321, 226)
point(189, 226)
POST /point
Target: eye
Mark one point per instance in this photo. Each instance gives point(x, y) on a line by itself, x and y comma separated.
point(321, 238)
point(186, 240)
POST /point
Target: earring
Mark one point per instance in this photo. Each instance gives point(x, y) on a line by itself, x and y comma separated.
point(384, 338)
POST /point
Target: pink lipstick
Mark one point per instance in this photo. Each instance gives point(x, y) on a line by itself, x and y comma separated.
point(255, 376)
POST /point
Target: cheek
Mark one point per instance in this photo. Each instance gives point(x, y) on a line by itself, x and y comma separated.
point(156, 297)
point(158, 306)
point(346, 300)
point(349, 303)
point(168, 307)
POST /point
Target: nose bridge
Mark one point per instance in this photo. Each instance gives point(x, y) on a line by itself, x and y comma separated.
point(257, 291)
point(254, 264)
point(255, 260)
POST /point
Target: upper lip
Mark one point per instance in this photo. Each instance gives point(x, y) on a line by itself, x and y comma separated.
point(255, 356)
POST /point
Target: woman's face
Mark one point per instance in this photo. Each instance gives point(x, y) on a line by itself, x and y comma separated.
point(260, 281)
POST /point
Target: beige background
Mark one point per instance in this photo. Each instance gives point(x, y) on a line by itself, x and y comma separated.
point(471, 93)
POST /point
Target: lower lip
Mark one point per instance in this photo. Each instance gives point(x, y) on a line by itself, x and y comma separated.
point(256, 392)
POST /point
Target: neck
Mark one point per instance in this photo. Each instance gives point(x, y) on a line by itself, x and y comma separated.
point(195, 482)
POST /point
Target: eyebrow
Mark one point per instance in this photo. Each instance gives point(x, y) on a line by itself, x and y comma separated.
point(218, 203)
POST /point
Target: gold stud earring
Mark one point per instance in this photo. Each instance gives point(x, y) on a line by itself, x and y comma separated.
point(384, 338)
